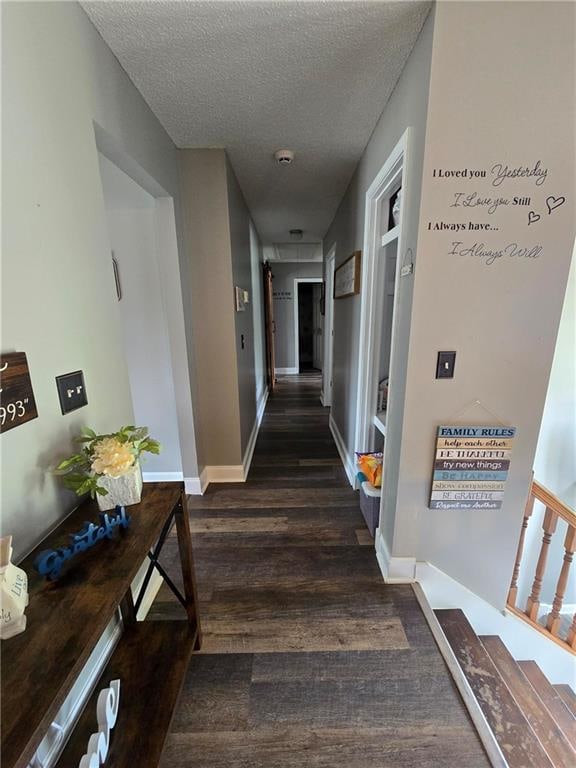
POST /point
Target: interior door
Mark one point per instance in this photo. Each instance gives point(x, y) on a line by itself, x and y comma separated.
point(270, 327)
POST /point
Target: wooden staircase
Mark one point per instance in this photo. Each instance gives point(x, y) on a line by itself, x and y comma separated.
point(533, 721)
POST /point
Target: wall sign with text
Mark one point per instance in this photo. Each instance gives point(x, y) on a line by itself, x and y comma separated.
point(347, 277)
point(471, 467)
point(17, 404)
point(497, 212)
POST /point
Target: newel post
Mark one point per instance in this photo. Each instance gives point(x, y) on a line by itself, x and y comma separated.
point(553, 621)
point(548, 526)
point(513, 592)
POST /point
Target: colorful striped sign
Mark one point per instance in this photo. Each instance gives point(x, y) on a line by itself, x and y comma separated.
point(464, 476)
point(471, 467)
point(486, 465)
point(465, 504)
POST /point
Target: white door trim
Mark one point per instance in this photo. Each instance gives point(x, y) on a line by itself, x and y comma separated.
point(298, 280)
point(372, 288)
point(328, 328)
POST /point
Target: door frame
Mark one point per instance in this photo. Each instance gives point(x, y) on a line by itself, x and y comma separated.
point(297, 281)
point(269, 326)
point(372, 291)
point(327, 368)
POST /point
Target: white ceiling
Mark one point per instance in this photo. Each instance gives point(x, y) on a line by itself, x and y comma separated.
point(254, 77)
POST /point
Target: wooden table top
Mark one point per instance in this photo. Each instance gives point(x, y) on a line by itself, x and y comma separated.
point(66, 618)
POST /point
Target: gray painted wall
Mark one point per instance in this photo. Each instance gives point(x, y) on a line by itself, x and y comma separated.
point(207, 243)
point(60, 84)
point(218, 249)
point(406, 108)
point(244, 321)
point(257, 308)
point(284, 274)
point(502, 319)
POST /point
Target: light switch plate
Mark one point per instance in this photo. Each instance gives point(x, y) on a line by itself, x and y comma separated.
point(445, 365)
point(71, 391)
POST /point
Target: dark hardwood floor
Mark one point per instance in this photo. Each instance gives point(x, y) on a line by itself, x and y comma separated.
point(308, 658)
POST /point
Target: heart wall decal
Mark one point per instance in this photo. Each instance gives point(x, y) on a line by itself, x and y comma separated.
point(554, 202)
point(533, 217)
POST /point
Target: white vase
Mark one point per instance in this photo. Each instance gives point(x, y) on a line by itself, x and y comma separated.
point(122, 491)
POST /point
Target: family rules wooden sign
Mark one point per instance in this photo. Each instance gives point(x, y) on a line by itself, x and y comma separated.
point(471, 467)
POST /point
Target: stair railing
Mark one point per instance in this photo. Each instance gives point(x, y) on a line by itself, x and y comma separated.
point(552, 624)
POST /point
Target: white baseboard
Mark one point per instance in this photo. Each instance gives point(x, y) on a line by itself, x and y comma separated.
point(224, 473)
point(235, 473)
point(162, 477)
point(322, 397)
point(346, 460)
point(249, 452)
point(193, 486)
point(286, 371)
point(485, 733)
point(395, 570)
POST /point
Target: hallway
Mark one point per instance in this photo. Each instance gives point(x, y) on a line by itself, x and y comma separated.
point(308, 658)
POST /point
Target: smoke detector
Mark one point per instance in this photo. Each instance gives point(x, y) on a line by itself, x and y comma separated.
point(296, 234)
point(284, 156)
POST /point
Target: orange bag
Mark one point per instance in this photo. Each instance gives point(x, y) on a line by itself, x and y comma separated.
point(370, 464)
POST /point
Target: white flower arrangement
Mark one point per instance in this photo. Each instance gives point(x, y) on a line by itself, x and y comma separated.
point(111, 455)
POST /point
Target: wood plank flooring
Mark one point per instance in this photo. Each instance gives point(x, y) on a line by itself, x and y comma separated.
point(308, 658)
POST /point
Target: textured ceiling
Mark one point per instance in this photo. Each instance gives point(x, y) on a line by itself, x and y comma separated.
point(255, 77)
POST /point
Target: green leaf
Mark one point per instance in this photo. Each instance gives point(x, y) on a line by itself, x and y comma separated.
point(89, 433)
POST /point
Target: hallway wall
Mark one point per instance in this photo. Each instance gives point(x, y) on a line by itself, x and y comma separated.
point(407, 107)
point(240, 226)
point(218, 251)
point(61, 84)
point(284, 274)
point(501, 317)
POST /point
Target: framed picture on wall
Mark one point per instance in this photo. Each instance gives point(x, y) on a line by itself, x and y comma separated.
point(347, 277)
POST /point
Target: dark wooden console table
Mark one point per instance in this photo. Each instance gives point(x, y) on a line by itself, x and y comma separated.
point(65, 620)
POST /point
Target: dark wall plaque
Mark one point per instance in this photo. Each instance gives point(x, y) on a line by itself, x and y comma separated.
point(17, 404)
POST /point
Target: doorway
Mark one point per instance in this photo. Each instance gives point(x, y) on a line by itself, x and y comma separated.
point(133, 218)
point(270, 327)
point(308, 324)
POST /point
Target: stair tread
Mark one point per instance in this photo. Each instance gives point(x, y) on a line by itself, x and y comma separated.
point(511, 729)
point(555, 744)
point(567, 695)
point(552, 700)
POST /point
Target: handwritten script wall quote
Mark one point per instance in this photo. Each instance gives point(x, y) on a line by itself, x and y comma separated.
point(478, 201)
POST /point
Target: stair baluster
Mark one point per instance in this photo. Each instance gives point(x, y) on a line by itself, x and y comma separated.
point(571, 639)
point(548, 526)
point(513, 592)
point(553, 621)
